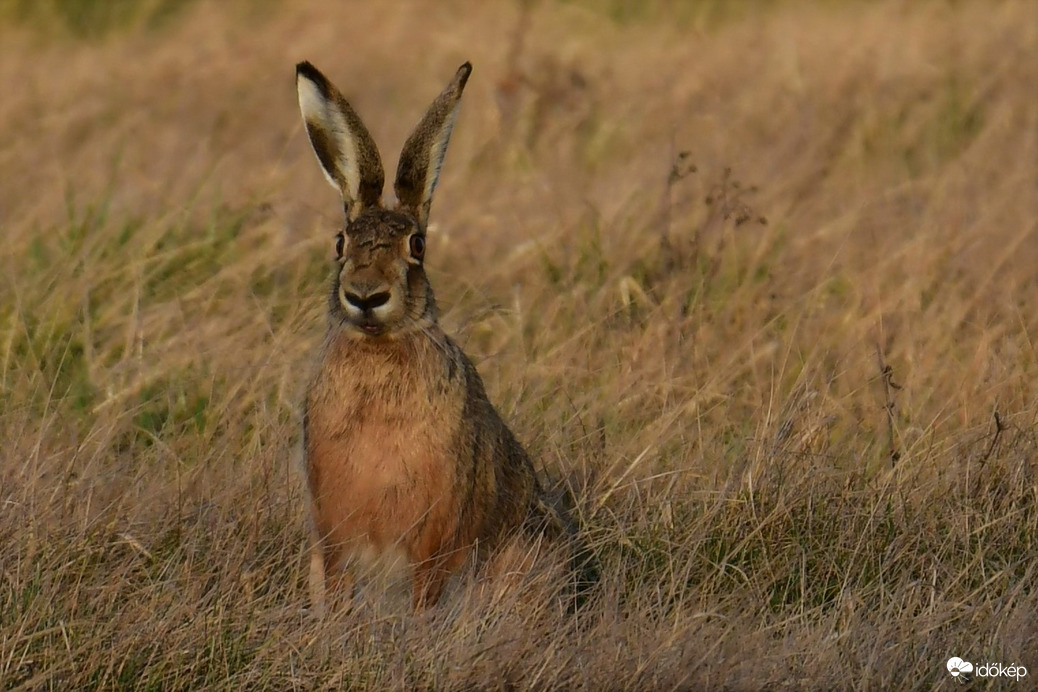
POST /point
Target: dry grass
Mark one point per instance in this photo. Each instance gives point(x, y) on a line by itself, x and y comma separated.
point(715, 388)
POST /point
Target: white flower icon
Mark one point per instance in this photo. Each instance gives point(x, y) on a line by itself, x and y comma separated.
point(957, 667)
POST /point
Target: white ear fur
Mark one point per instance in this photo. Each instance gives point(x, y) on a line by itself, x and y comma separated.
point(437, 152)
point(422, 157)
point(344, 148)
point(319, 114)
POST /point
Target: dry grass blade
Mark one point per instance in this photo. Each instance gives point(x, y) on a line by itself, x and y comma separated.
point(164, 266)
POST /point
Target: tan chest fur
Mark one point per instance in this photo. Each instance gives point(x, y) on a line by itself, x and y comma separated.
point(381, 478)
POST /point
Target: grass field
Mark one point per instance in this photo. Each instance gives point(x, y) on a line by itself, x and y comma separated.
point(759, 279)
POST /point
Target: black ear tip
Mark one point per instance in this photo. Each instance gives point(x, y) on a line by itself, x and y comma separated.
point(463, 73)
point(311, 74)
point(306, 69)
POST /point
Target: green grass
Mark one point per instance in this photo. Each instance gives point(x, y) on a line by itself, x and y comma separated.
point(92, 19)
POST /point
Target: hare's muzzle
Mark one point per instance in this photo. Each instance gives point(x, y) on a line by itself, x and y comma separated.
point(370, 307)
point(367, 305)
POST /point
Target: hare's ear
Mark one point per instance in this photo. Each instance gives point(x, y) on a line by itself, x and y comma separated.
point(343, 145)
point(420, 161)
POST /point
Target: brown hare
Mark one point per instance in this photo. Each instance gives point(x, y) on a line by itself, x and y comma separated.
point(409, 467)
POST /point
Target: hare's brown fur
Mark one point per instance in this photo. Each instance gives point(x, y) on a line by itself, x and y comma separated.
point(404, 452)
point(407, 462)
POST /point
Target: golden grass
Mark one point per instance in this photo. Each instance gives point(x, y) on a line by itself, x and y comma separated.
point(715, 389)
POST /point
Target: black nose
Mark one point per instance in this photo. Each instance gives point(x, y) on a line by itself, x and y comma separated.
point(369, 302)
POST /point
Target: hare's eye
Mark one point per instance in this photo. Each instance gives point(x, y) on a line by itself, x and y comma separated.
point(417, 246)
point(340, 244)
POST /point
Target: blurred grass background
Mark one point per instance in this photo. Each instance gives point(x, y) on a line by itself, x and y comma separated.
point(761, 285)
point(96, 18)
point(90, 19)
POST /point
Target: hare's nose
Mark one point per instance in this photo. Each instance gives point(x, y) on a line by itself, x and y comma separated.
point(368, 302)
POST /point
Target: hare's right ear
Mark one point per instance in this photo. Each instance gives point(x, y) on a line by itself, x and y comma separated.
point(420, 161)
point(343, 145)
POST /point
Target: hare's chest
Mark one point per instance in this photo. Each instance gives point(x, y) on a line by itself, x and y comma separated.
point(378, 446)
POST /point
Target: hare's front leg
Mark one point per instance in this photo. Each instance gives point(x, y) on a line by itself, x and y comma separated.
point(329, 579)
point(318, 583)
point(429, 579)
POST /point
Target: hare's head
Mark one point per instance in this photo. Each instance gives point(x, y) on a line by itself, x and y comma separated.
point(380, 287)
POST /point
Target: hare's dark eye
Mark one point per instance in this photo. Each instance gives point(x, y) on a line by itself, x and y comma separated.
point(340, 244)
point(417, 246)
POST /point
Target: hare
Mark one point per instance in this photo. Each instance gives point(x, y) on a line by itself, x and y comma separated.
point(408, 465)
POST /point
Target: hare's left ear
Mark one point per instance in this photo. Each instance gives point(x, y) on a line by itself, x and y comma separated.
point(420, 161)
point(343, 146)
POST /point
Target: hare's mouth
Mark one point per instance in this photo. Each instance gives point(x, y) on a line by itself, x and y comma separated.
point(370, 327)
